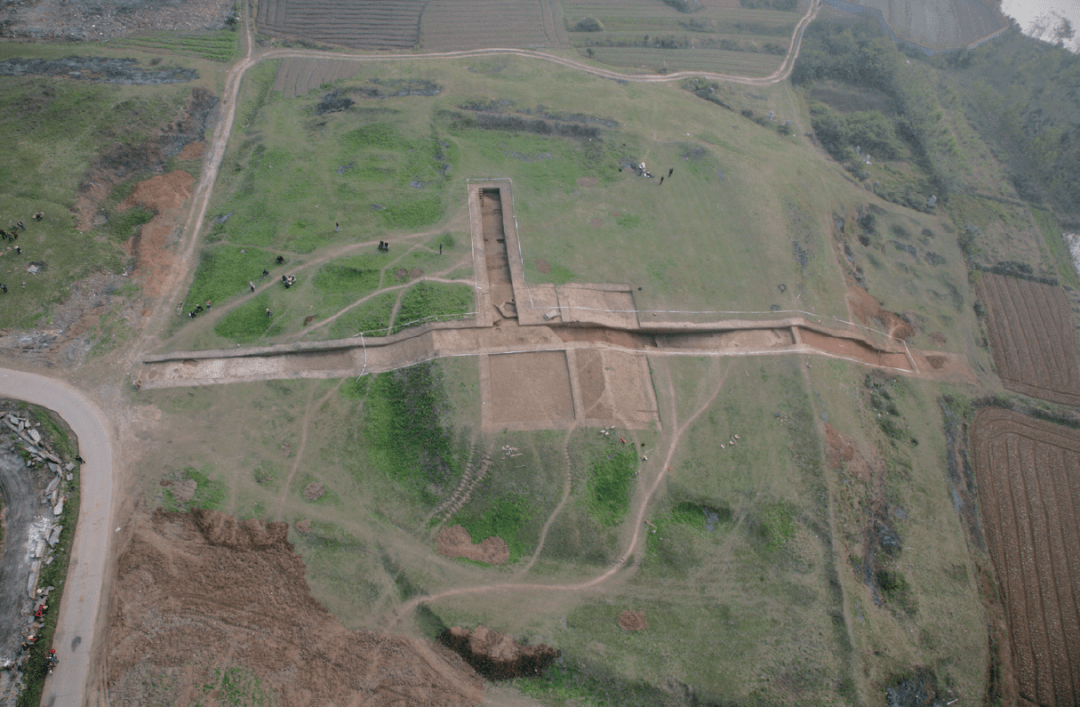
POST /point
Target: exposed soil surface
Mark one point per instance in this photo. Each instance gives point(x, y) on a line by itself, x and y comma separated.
point(314, 491)
point(868, 310)
point(126, 161)
point(455, 541)
point(530, 387)
point(633, 621)
point(497, 656)
point(150, 247)
point(202, 592)
point(193, 151)
point(360, 24)
point(542, 266)
point(1032, 338)
point(107, 19)
point(596, 222)
point(587, 181)
point(1028, 479)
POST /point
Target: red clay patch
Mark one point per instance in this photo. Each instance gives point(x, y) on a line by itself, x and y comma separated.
point(455, 541)
point(543, 266)
point(596, 222)
point(165, 191)
point(868, 310)
point(415, 273)
point(193, 151)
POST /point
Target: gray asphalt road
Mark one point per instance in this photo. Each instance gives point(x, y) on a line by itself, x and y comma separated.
point(79, 631)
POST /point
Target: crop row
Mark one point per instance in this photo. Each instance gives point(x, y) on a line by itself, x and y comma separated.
point(1028, 477)
point(1032, 338)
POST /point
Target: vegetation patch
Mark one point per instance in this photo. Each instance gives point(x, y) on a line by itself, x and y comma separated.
point(224, 272)
point(249, 322)
point(370, 318)
point(610, 481)
point(504, 519)
point(434, 301)
point(404, 425)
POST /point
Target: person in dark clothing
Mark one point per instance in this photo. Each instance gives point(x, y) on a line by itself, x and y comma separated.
point(3, 288)
point(670, 171)
point(280, 259)
point(265, 273)
point(269, 313)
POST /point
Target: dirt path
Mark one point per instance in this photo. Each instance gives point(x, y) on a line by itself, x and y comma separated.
point(311, 409)
point(632, 546)
point(567, 488)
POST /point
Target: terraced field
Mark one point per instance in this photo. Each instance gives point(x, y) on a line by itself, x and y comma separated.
point(1032, 338)
point(477, 24)
point(360, 24)
point(1028, 475)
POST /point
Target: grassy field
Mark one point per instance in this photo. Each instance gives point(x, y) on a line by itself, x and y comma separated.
point(220, 46)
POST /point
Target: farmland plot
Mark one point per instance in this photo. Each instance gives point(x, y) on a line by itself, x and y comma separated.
point(477, 24)
point(361, 24)
point(1028, 475)
point(1032, 338)
point(296, 77)
point(939, 24)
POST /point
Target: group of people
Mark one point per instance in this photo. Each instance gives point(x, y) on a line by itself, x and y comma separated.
point(31, 640)
point(384, 246)
point(199, 309)
point(12, 236)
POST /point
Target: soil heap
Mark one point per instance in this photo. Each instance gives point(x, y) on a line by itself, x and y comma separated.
point(497, 656)
point(202, 595)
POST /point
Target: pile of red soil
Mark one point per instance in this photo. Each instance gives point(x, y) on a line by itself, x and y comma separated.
point(497, 656)
point(455, 541)
point(200, 593)
point(165, 191)
point(165, 194)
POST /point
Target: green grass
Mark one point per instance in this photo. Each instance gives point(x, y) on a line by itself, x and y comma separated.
point(405, 425)
point(434, 301)
point(504, 519)
point(239, 687)
point(371, 318)
point(224, 272)
point(1059, 252)
point(55, 128)
point(345, 281)
point(209, 494)
point(609, 484)
point(248, 322)
point(220, 45)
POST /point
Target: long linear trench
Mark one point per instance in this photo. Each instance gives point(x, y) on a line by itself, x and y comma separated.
point(501, 291)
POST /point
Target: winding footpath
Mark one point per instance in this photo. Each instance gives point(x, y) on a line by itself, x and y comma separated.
point(81, 623)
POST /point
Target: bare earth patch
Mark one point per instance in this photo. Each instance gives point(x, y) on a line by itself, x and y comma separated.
point(455, 541)
point(203, 594)
point(314, 491)
point(166, 194)
point(633, 621)
point(596, 222)
point(416, 273)
point(868, 310)
point(543, 266)
point(193, 151)
point(586, 181)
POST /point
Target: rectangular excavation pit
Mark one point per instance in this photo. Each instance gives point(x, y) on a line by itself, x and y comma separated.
point(529, 391)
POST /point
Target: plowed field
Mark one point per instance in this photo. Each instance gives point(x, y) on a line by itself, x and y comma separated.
point(1032, 337)
point(1028, 475)
point(476, 24)
point(296, 77)
point(361, 24)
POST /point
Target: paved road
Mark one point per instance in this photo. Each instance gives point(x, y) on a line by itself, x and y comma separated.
point(78, 633)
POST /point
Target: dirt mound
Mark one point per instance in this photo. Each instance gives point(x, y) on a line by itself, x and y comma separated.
point(938, 339)
point(227, 531)
point(596, 222)
point(633, 621)
point(314, 490)
point(303, 526)
point(456, 542)
point(587, 181)
point(497, 656)
point(415, 273)
point(165, 191)
point(543, 266)
point(203, 602)
point(868, 310)
point(401, 274)
point(193, 151)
